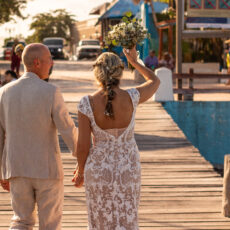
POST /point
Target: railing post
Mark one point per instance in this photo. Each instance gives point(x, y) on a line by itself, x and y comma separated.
point(189, 96)
point(226, 187)
point(179, 86)
point(190, 85)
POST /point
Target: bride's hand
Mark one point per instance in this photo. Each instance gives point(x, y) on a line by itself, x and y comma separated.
point(78, 179)
point(131, 54)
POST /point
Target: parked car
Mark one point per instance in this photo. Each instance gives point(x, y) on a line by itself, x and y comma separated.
point(8, 48)
point(57, 47)
point(88, 49)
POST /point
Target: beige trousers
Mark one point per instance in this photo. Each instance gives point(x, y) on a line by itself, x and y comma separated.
point(47, 193)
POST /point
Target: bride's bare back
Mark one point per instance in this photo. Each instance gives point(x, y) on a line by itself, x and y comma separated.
point(122, 108)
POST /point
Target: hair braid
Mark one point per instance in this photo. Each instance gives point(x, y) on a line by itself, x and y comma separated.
point(108, 71)
point(110, 93)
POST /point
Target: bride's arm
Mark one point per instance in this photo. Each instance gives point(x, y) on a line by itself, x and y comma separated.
point(152, 83)
point(83, 146)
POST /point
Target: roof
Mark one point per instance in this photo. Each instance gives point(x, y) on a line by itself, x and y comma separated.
point(120, 7)
point(97, 9)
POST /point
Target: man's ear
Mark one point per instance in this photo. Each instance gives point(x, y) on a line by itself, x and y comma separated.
point(36, 62)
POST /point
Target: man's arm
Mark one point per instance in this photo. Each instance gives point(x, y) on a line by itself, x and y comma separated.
point(64, 122)
point(2, 142)
point(4, 183)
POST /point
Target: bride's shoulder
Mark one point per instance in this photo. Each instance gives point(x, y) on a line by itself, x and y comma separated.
point(83, 105)
point(133, 92)
point(83, 100)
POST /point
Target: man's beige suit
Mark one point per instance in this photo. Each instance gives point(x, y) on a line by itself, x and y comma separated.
point(31, 112)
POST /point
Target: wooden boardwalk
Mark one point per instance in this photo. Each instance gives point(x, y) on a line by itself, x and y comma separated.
point(180, 189)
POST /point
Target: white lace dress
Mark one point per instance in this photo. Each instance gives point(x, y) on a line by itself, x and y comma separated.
point(112, 174)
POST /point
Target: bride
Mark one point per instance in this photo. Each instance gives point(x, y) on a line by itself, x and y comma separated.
point(110, 167)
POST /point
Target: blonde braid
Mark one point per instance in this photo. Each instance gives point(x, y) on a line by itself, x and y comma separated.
point(108, 70)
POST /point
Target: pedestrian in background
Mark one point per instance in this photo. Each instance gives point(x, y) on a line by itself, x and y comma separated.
point(9, 76)
point(15, 59)
point(167, 61)
point(151, 61)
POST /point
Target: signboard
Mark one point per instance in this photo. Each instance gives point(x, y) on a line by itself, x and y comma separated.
point(195, 4)
point(210, 4)
point(224, 4)
point(209, 8)
point(205, 22)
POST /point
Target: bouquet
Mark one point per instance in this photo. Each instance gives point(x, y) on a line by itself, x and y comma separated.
point(127, 34)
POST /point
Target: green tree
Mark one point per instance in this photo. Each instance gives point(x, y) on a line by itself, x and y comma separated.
point(10, 8)
point(57, 23)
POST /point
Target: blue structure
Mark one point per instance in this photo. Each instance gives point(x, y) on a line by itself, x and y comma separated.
point(206, 125)
point(118, 9)
point(146, 22)
point(143, 11)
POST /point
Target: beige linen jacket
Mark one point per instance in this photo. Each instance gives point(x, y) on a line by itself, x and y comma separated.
point(31, 112)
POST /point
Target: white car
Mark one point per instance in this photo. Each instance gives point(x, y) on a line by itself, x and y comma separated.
point(88, 49)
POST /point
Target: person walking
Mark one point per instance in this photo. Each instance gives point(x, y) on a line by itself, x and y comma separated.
point(15, 59)
point(110, 167)
point(31, 112)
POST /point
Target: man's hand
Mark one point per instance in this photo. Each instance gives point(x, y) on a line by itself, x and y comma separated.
point(78, 179)
point(5, 184)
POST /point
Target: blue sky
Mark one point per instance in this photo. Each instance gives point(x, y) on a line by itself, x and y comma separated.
point(79, 8)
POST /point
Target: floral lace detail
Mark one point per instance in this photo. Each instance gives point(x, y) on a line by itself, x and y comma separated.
point(112, 174)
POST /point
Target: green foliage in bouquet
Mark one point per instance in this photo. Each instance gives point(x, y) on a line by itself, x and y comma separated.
point(128, 33)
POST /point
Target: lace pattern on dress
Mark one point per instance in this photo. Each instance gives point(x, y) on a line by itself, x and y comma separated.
point(112, 174)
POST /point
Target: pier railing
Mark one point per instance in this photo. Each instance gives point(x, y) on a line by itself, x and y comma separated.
point(190, 90)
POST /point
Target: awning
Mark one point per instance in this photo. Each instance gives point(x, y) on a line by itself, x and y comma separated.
point(119, 8)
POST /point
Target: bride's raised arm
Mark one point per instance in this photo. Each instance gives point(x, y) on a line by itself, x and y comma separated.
point(152, 83)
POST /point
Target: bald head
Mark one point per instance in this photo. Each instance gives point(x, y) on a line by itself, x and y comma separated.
point(36, 58)
point(32, 52)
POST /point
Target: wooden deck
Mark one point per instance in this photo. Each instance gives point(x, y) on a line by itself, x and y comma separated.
point(180, 189)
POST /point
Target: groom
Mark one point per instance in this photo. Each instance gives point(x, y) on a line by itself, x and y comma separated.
point(31, 111)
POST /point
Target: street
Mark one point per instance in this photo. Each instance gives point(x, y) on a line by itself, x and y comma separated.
point(75, 78)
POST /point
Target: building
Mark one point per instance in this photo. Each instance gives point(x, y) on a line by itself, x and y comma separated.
point(88, 29)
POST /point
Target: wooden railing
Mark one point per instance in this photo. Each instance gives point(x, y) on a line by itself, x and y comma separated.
point(190, 90)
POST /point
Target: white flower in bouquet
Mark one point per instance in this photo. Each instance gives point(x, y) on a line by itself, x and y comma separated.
point(130, 25)
point(128, 33)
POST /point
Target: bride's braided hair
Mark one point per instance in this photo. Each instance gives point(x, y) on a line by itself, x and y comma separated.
point(108, 70)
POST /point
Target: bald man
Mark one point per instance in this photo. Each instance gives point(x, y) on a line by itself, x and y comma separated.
point(31, 112)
